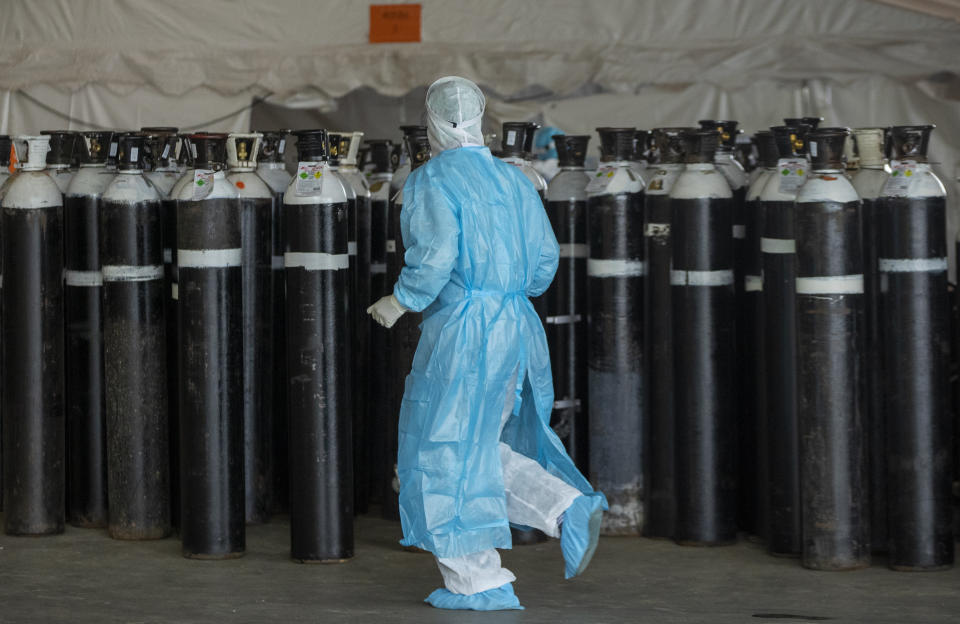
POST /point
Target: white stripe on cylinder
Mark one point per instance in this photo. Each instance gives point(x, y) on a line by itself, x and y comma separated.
point(566, 403)
point(391, 246)
point(752, 283)
point(83, 278)
point(597, 267)
point(574, 250)
point(564, 320)
point(378, 267)
point(912, 265)
point(778, 245)
point(174, 291)
point(830, 285)
point(208, 258)
point(723, 277)
point(315, 261)
point(132, 273)
point(739, 231)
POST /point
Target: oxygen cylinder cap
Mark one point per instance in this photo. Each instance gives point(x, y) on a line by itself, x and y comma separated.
point(417, 145)
point(727, 130)
point(911, 142)
point(571, 149)
point(349, 156)
point(93, 148)
point(870, 146)
point(791, 140)
point(700, 145)
point(209, 150)
point(767, 148)
point(826, 148)
point(669, 144)
point(380, 155)
point(339, 143)
point(616, 144)
point(32, 151)
point(641, 145)
point(311, 145)
point(131, 152)
point(62, 147)
point(273, 145)
point(514, 138)
point(242, 150)
point(162, 147)
point(5, 144)
point(532, 128)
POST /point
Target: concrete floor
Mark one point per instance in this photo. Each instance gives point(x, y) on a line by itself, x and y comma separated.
point(83, 576)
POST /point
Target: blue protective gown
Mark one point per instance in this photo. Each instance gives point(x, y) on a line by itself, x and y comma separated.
point(478, 245)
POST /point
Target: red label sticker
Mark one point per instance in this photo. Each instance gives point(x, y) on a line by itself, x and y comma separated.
point(240, 184)
point(394, 23)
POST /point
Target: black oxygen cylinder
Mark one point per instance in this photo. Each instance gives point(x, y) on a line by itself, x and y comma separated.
point(753, 287)
point(6, 146)
point(318, 395)
point(744, 347)
point(615, 270)
point(869, 181)
point(915, 337)
point(134, 347)
point(362, 450)
point(32, 347)
point(164, 149)
point(779, 271)
point(339, 148)
point(378, 436)
point(660, 487)
point(566, 298)
point(829, 295)
point(272, 170)
point(256, 230)
point(405, 334)
point(210, 310)
point(703, 324)
point(168, 210)
point(83, 336)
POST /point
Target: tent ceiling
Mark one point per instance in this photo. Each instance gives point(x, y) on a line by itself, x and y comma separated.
point(558, 46)
point(949, 9)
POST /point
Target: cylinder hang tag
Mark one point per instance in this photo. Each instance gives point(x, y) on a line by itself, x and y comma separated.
point(902, 175)
point(309, 178)
point(793, 171)
point(601, 180)
point(202, 183)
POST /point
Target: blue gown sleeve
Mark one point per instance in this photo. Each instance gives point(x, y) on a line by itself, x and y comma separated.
point(549, 256)
point(430, 226)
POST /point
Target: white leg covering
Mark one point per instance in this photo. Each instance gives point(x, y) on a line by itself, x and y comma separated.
point(535, 498)
point(474, 573)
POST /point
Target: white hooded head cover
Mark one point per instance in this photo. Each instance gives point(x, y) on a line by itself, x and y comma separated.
point(454, 114)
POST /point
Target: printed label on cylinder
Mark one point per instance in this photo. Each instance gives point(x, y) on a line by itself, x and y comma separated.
point(309, 178)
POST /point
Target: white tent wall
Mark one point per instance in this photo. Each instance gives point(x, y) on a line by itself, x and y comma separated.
point(92, 106)
point(127, 63)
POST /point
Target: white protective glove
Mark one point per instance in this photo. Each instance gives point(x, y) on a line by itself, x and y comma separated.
point(386, 311)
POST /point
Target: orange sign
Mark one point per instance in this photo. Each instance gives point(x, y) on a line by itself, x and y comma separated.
point(394, 23)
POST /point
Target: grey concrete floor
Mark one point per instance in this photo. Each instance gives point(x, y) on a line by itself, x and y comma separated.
point(84, 576)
